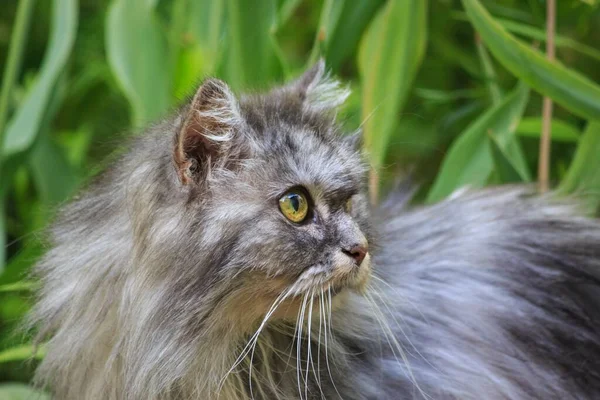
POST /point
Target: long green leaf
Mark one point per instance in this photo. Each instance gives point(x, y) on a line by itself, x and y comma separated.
point(534, 33)
point(21, 353)
point(26, 123)
point(507, 171)
point(491, 79)
point(18, 391)
point(138, 55)
point(561, 130)
point(568, 88)
point(469, 161)
point(390, 55)
point(251, 58)
point(18, 287)
point(343, 32)
point(583, 176)
point(14, 59)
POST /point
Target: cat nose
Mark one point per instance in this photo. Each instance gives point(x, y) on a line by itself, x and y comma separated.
point(357, 252)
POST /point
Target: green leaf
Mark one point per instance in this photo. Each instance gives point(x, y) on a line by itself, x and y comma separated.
point(390, 55)
point(18, 391)
point(561, 130)
point(18, 287)
point(507, 171)
point(469, 160)
point(285, 10)
point(330, 15)
point(138, 55)
point(252, 59)
point(206, 24)
point(21, 353)
point(491, 79)
point(26, 123)
point(342, 33)
point(54, 184)
point(568, 88)
point(583, 177)
point(531, 32)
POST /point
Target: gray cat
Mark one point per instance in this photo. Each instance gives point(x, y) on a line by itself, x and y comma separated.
point(231, 254)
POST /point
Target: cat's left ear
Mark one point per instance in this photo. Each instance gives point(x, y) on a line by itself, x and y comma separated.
point(318, 91)
point(210, 121)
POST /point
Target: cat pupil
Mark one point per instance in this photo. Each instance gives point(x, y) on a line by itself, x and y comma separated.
point(295, 202)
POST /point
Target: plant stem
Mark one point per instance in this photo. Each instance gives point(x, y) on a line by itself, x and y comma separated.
point(13, 64)
point(544, 159)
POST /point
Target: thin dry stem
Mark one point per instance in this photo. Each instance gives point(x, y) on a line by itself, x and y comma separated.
point(544, 159)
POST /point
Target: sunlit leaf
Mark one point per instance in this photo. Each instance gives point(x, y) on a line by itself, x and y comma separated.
point(19, 391)
point(22, 353)
point(251, 59)
point(469, 160)
point(26, 123)
point(568, 88)
point(138, 55)
point(390, 55)
point(561, 130)
point(18, 287)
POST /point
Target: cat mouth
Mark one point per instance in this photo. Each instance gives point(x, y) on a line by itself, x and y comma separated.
point(319, 282)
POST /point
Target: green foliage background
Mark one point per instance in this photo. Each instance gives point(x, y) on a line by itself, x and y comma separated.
point(432, 97)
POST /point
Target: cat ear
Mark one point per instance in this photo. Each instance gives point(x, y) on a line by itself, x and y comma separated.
point(207, 129)
point(318, 91)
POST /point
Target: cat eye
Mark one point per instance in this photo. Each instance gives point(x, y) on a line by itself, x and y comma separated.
point(294, 206)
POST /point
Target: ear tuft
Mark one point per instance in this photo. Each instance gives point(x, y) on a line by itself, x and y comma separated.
point(211, 120)
point(319, 91)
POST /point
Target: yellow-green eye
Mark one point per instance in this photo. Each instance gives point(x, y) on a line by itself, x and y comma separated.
point(294, 206)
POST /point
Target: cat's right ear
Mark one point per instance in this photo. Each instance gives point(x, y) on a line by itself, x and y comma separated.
point(208, 126)
point(318, 90)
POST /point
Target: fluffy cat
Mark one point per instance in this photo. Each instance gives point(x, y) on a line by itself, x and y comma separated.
point(231, 254)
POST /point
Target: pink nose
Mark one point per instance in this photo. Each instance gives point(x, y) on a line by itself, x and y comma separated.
point(357, 252)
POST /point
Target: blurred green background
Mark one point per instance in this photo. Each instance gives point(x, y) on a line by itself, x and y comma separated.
point(451, 106)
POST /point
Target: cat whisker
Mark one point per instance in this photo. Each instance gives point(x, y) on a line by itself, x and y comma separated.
point(399, 326)
point(399, 294)
point(318, 375)
point(393, 342)
point(299, 372)
point(325, 318)
point(252, 341)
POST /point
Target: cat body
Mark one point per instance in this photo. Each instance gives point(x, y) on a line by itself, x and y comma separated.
point(232, 254)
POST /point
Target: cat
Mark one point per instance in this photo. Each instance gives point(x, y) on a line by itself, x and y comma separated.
point(232, 254)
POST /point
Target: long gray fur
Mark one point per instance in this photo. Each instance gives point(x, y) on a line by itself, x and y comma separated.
point(492, 294)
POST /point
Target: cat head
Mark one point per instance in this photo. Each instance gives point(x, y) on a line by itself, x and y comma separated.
point(273, 197)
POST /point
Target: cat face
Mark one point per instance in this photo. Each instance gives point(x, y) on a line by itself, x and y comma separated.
point(281, 191)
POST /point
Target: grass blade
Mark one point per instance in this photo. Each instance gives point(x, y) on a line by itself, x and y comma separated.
point(26, 123)
point(568, 88)
point(251, 59)
point(561, 130)
point(138, 54)
point(469, 160)
point(390, 55)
